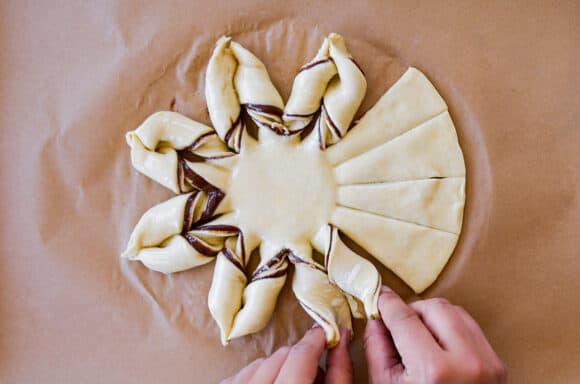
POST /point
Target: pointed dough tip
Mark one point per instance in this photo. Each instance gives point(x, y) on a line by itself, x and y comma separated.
point(223, 40)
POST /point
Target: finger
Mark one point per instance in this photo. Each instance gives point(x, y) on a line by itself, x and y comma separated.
point(484, 346)
point(271, 367)
point(319, 376)
point(246, 374)
point(301, 364)
point(383, 359)
point(338, 362)
point(444, 323)
point(412, 339)
point(475, 331)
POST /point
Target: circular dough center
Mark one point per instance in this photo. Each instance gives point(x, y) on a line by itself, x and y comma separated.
point(282, 192)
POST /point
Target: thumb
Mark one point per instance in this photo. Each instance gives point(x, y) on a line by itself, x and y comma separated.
point(338, 362)
point(384, 362)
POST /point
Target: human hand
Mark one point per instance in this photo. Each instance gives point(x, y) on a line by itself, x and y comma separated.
point(428, 341)
point(298, 364)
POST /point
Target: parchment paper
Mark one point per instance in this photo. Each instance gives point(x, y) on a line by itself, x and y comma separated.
point(74, 78)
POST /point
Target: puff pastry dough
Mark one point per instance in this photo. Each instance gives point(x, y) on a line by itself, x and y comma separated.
point(394, 183)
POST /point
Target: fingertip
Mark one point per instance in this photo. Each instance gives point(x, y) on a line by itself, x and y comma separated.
point(385, 289)
point(304, 356)
point(316, 333)
point(346, 334)
point(338, 361)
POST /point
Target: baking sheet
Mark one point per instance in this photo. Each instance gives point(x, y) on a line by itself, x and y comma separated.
point(75, 77)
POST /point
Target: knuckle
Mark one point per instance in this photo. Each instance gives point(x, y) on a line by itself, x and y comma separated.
point(437, 371)
point(259, 361)
point(404, 315)
point(477, 370)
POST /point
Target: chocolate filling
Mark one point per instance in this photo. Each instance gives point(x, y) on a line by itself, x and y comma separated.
point(321, 141)
point(308, 308)
point(315, 63)
point(331, 123)
point(298, 260)
point(200, 245)
point(227, 230)
point(232, 258)
point(330, 243)
point(188, 212)
point(214, 194)
point(269, 270)
point(301, 115)
point(267, 109)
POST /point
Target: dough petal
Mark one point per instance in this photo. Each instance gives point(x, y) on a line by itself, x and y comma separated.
point(222, 100)
point(308, 89)
point(261, 293)
point(165, 140)
point(436, 203)
point(165, 241)
point(350, 272)
point(331, 82)
point(174, 255)
point(225, 294)
point(430, 150)
point(158, 224)
point(411, 101)
point(256, 91)
point(229, 279)
point(343, 96)
point(321, 300)
point(415, 253)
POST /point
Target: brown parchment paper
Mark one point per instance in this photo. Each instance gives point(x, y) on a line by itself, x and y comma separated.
point(74, 78)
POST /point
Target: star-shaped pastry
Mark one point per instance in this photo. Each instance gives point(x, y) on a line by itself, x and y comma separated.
point(394, 183)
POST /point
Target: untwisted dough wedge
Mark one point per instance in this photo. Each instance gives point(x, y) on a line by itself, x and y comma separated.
point(436, 203)
point(429, 150)
point(411, 101)
point(417, 254)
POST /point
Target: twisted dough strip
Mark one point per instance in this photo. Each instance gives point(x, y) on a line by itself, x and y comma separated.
point(333, 78)
point(261, 293)
point(323, 301)
point(164, 146)
point(352, 273)
point(235, 78)
point(229, 280)
point(168, 239)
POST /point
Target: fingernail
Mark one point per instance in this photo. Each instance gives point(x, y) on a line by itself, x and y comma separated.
point(315, 325)
point(385, 289)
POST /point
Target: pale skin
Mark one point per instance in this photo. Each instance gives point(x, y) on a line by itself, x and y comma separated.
point(428, 341)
